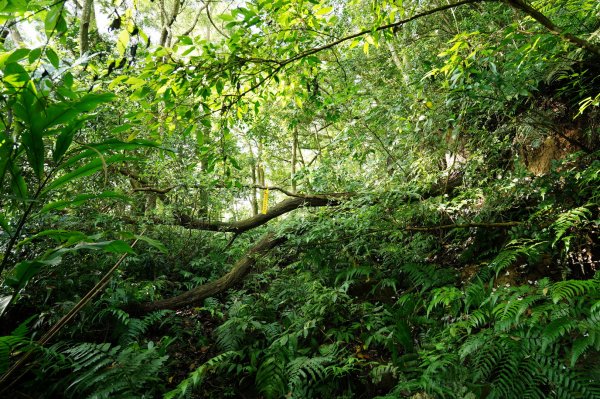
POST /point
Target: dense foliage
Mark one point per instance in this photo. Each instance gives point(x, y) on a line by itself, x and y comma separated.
point(300, 199)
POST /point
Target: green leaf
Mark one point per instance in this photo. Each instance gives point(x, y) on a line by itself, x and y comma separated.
point(52, 21)
point(4, 302)
point(109, 145)
point(64, 139)
point(69, 236)
point(122, 42)
point(5, 152)
point(22, 273)
point(80, 199)
point(34, 55)
point(152, 242)
point(18, 185)
point(324, 10)
point(52, 57)
point(66, 111)
point(4, 225)
point(114, 246)
point(86, 170)
point(15, 76)
point(29, 109)
point(13, 56)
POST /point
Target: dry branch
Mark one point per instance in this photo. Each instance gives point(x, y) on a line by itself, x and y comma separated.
point(241, 268)
point(499, 225)
point(241, 226)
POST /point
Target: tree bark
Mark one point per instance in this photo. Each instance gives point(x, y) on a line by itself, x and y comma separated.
point(260, 219)
point(84, 27)
point(168, 21)
point(294, 159)
point(194, 297)
point(253, 199)
point(555, 30)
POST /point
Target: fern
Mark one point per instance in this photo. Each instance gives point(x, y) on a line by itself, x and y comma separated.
point(303, 371)
point(569, 289)
point(271, 376)
point(9, 343)
point(446, 296)
point(382, 370)
point(131, 328)
point(105, 371)
point(513, 251)
point(195, 378)
point(427, 275)
point(567, 221)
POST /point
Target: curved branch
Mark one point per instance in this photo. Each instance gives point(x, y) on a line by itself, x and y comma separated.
point(154, 189)
point(498, 225)
point(380, 28)
point(241, 268)
point(215, 25)
point(555, 30)
point(279, 209)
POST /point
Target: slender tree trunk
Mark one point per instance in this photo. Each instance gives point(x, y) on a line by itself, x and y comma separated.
point(253, 199)
point(168, 21)
point(84, 27)
point(260, 171)
point(294, 159)
point(16, 36)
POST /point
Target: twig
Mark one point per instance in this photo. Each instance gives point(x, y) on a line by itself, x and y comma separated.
point(61, 323)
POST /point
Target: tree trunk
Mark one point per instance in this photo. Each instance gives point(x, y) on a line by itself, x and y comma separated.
point(260, 171)
point(168, 21)
point(198, 294)
point(84, 27)
point(294, 159)
point(253, 199)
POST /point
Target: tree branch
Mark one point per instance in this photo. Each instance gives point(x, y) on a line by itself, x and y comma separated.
point(154, 189)
point(241, 268)
point(380, 28)
point(279, 209)
point(500, 225)
point(555, 30)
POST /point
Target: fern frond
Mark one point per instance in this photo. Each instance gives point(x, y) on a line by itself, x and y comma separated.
point(569, 289)
point(102, 371)
point(9, 343)
point(195, 378)
point(303, 371)
point(512, 251)
point(271, 376)
point(568, 220)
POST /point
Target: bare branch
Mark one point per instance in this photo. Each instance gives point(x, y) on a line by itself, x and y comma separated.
point(241, 226)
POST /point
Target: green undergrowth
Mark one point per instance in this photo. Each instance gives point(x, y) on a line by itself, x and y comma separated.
point(357, 305)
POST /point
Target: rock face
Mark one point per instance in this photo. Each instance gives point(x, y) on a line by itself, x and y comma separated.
point(538, 158)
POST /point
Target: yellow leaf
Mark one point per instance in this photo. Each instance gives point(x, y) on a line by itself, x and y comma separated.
point(265, 204)
point(366, 48)
point(122, 42)
point(324, 10)
point(132, 136)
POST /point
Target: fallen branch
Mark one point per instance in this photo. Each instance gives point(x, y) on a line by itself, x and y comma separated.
point(154, 189)
point(8, 377)
point(500, 225)
point(241, 226)
point(193, 297)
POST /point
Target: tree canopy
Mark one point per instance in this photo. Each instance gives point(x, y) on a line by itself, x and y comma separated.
point(300, 198)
